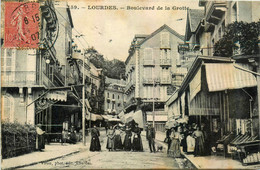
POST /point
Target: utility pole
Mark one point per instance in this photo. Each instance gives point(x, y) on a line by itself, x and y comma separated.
point(83, 103)
point(153, 97)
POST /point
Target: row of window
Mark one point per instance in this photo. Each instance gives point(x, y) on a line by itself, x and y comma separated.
point(112, 105)
point(155, 92)
point(113, 96)
point(164, 54)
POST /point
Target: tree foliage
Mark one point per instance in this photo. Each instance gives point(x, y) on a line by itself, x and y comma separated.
point(111, 68)
point(239, 35)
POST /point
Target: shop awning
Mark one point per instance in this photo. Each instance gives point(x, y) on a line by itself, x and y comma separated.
point(225, 76)
point(136, 116)
point(59, 95)
point(195, 85)
point(94, 117)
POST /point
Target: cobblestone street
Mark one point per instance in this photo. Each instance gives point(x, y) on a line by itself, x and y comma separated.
point(111, 160)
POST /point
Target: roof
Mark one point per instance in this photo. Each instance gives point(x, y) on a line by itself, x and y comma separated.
point(115, 81)
point(195, 15)
point(141, 35)
point(160, 29)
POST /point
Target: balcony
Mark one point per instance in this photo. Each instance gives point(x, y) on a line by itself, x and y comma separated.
point(148, 63)
point(150, 81)
point(165, 80)
point(19, 78)
point(165, 62)
point(215, 10)
point(130, 86)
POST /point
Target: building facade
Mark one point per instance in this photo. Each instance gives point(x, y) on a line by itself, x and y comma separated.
point(114, 96)
point(150, 65)
point(219, 92)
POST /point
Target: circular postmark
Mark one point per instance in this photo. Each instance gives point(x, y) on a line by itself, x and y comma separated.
point(22, 24)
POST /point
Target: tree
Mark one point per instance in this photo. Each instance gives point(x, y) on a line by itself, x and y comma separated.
point(239, 35)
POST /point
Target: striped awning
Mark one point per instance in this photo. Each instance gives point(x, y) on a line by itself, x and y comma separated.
point(225, 76)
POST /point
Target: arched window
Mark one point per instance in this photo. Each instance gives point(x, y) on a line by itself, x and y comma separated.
point(7, 108)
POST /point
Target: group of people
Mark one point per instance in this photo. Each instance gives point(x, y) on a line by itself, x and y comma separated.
point(132, 138)
point(193, 139)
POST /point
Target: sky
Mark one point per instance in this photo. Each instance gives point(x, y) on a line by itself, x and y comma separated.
point(111, 32)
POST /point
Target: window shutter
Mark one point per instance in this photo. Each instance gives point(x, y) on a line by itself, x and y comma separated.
point(165, 40)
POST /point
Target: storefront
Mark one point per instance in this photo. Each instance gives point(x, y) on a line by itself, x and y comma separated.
point(223, 99)
point(58, 109)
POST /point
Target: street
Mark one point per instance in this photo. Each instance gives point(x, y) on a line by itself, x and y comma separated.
point(112, 160)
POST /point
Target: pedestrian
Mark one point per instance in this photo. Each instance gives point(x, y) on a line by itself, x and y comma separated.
point(117, 139)
point(184, 134)
point(175, 150)
point(127, 141)
point(150, 136)
point(110, 139)
point(137, 140)
point(168, 139)
point(72, 139)
point(199, 142)
point(40, 140)
point(95, 144)
point(190, 141)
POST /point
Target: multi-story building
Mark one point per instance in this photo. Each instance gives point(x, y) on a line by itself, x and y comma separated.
point(114, 96)
point(26, 74)
point(214, 85)
point(36, 82)
point(150, 65)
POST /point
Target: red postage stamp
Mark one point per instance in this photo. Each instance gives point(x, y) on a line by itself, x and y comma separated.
point(22, 23)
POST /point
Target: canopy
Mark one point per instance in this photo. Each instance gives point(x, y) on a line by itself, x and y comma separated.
point(136, 116)
point(127, 117)
point(111, 118)
point(56, 95)
point(94, 117)
point(225, 76)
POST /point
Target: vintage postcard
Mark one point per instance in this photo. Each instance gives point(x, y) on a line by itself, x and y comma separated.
point(130, 84)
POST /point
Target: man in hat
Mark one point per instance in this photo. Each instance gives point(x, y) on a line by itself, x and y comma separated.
point(150, 136)
point(40, 140)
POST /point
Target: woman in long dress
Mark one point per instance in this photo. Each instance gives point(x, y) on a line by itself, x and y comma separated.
point(190, 141)
point(95, 144)
point(127, 141)
point(199, 142)
point(117, 139)
point(137, 140)
point(175, 150)
point(110, 139)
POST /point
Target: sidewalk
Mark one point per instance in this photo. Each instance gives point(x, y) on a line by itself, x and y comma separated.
point(209, 162)
point(51, 152)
